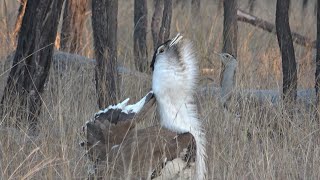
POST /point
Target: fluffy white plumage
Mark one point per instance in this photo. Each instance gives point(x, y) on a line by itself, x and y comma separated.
point(174, 81)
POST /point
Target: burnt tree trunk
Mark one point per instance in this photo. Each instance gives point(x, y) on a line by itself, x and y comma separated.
point(289, 68)
point(72, 25)
point(166, 22)
point(140, 35)
point(155, 22)
point(104, 25)
point(317, 75)
point(230, 27)
point(32, 61)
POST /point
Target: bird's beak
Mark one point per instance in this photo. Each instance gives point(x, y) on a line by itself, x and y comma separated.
point(175, 40)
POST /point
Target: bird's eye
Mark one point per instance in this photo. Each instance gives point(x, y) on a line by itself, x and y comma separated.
point(227, 55)
point(161, 50)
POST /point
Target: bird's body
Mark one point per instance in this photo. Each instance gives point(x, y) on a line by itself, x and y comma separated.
point(175, 73)
point(227, 79)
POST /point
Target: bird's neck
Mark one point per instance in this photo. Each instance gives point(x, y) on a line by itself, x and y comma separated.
point(227, 80)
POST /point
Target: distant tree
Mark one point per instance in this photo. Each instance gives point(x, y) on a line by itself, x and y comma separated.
point(315, 6)
point(31, 62)
point(304, 4)
point(230, 27)
point(156, 21)
point(72, 25)
point(289, 67)
point(166, 22)
point(317, 75)
point(195, 8)
point(21, 11)
point(252, 4)
point(220, 3)
point(140, 35)
point(104, 25)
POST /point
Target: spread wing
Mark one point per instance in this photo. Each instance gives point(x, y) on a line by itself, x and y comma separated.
point(110, 139)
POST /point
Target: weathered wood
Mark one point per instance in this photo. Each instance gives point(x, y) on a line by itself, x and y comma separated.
point(31, 62)
point(155, 22)
point(140, 35)
point(230, 27)
point(166, 22)
point(104, 25)
point(270, 27)
point(289, 67)
point(72, 25)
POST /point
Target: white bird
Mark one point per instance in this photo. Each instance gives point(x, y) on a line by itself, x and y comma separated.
point(174, 80)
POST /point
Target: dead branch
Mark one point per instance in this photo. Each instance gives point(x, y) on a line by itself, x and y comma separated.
point(270, 27)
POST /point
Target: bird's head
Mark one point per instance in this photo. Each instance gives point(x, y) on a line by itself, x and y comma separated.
point(171, 53)
point(174, 63)
point(228, 59)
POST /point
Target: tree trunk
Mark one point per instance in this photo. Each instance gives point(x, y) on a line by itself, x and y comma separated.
point(289, 68)
point(166, 22)
point(104, 24)
point(317, 75)
point(31, 62)
point(72, 25)
point(140, 35)
point(155, 23)
point(230, 27)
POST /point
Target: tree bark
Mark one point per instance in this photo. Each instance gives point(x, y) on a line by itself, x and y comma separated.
point(140, 35)
point(155, 23)
point(104, 24)
point(72, 25)
point(166, 22)
point(230, 27)
point(317, 74)
point(31, 62)
point(289, 68)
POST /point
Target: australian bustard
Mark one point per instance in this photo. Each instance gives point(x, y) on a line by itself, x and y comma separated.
point(174, 80)
point(113, 143)
point(227, 79)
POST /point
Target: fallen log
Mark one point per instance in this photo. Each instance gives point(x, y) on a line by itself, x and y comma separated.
point(271, 96)
point(62, 62)
point(270, 27)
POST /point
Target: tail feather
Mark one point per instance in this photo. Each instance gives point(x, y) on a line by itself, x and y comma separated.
point(201, 155)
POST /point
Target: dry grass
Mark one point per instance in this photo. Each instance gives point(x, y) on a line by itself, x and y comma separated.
point(269, 153)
